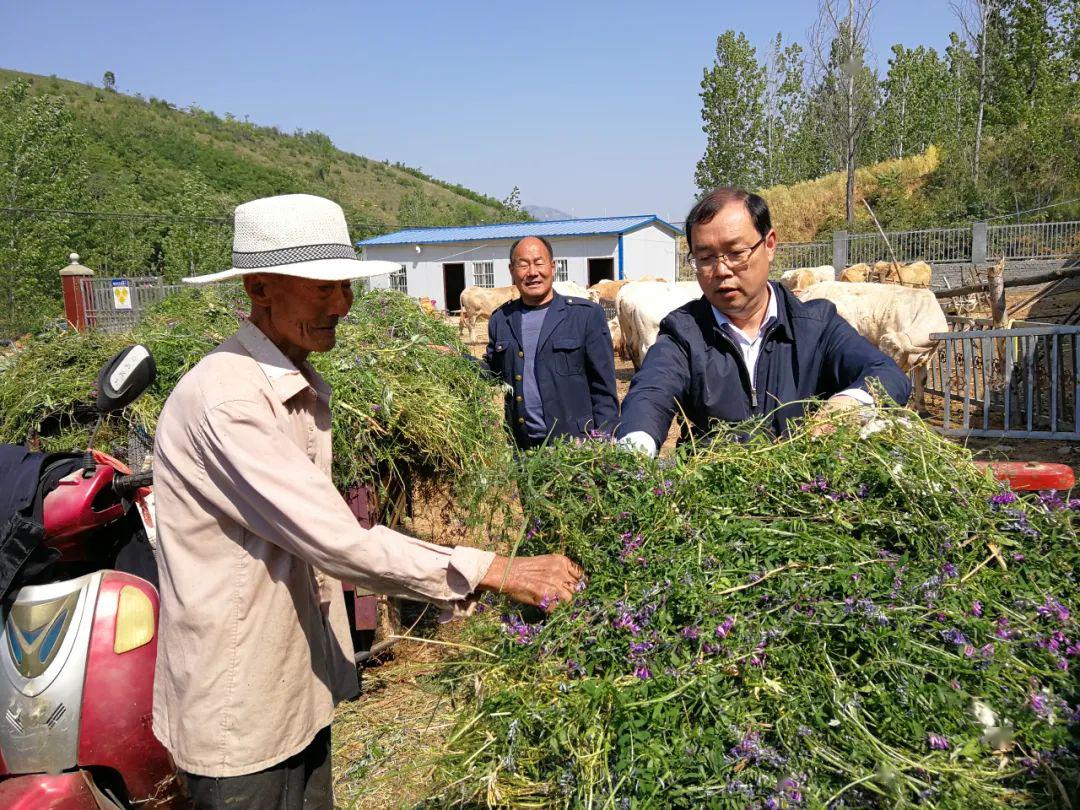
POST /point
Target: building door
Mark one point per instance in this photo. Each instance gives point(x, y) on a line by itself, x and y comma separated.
point(453, 284)
point(601, 270)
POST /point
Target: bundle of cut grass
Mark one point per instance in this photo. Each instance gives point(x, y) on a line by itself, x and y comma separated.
point(850, 621)
point(398, 404)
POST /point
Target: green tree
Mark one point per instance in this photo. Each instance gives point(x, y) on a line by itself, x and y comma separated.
point(198, 241)
point(732, 112)
point(913, 114)
point(42, 166)
point(108, 81)
point(846, 94)
point(785, 110)
point(415, 210)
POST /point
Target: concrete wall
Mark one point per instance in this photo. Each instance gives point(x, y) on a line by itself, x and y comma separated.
point(649, 251)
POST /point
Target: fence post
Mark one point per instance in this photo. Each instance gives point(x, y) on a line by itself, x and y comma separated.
point(74, 281)
point(978, 243)
point(840, 250)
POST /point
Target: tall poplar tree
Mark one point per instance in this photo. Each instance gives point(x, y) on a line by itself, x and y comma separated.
point(732, 108)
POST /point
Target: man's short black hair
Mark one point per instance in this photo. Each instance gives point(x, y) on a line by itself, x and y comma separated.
point(547, 244)
point(709, 206)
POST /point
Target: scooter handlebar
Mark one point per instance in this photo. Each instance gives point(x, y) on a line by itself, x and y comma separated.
point(124, 484)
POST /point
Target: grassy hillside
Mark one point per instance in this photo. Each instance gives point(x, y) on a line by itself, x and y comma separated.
point(148, 147)
point(812, 210)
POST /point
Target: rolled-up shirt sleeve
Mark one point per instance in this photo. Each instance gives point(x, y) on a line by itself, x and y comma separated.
point(258, 477)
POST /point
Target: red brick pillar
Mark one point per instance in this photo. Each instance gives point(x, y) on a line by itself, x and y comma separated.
point(75, 282)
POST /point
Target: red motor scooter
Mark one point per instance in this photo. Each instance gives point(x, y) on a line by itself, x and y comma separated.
point(79, 638)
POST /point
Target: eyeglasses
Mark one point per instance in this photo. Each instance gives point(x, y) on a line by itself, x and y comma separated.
point(733, 260)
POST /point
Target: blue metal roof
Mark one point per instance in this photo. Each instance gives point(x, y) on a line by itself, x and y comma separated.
point(518, 230)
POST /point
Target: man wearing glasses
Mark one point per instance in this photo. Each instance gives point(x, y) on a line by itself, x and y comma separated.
point(747, 348)
point(552, 352)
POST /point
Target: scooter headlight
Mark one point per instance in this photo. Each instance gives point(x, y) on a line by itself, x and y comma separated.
point(134, 620)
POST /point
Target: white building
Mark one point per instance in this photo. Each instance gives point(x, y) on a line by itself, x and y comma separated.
point(438, 263)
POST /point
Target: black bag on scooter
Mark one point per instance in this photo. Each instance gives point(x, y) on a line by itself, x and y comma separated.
point(26, 478)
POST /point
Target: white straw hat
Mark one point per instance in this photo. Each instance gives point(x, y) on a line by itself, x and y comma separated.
point(294, 235)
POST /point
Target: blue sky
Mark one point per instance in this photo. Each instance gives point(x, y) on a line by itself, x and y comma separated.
point(590, 107)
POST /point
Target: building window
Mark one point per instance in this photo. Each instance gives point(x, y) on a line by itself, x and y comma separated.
point(483, 274)
point(399, 281)
point(562, 272)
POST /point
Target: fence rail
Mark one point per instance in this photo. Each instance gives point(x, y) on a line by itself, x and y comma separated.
point(1034, 241)
point(116, 305)
point(975, 245)
point(950, 245)
point(1018, 383)
point(802, 254)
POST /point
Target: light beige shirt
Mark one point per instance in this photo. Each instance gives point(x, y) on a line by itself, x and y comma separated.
point(254, 647)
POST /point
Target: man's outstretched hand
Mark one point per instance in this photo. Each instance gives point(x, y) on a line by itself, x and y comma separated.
point(542, 581)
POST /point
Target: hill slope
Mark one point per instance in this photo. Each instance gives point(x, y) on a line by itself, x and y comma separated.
point(811, 210)
point(148, 147)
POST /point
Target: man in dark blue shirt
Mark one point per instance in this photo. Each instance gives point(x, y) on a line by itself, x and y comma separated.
point(747, 348)
point(553, 352)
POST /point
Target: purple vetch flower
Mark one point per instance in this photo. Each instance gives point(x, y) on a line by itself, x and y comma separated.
point(969, 651)
point(573, 668)
point(987, 650)
point(1003, 498)
point(1051, 500)
point(1017, 556)
point(938, 742)
point(724, 628)
point(631, 545)
point(1038, 704)
point(1062, 664)
point(955, 684)
point(1052, 608)
point(709, 648)
point(976, 608)
point(690, 632)
point(862, 492)
point(663, 489)
point(1073, 649)
point(549, 602)
point(948, 570)
point(1074, 505)
point(534, 529)
point(1003, 632)
point(954, 636)
point(581, 585)
point(641, 648)
point(519, 631)
point(819, 484)
point(627, 623)
point(641, 671)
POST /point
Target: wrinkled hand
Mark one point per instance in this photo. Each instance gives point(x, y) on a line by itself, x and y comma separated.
point(540, 581)
point(834, 410)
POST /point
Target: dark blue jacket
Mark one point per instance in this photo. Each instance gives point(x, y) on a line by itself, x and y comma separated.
point(809, 351)
point(575, 367)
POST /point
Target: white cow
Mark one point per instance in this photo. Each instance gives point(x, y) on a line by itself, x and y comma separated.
point(640, 307)
point(898, 320)
point(575, 290)
point(802, 279)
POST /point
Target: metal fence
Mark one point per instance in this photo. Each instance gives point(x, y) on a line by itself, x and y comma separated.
point(116, 305)
point(1017, 383)
point(973, 246)
point(802, 254)
point(951, 245)
point(1034, 241)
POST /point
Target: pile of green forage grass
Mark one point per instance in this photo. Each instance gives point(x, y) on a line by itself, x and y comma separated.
point(401, 410)
point(857, 620)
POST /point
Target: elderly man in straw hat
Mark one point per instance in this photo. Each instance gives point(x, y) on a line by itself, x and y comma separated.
point(254, 649)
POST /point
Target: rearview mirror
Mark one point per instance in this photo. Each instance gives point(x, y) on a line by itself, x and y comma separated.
point(124, 378)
